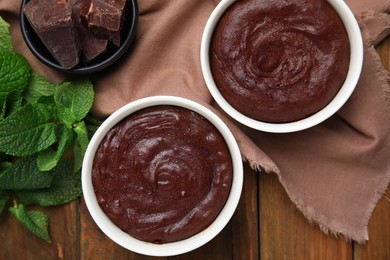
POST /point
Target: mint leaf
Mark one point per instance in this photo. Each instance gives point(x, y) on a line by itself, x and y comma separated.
point(37, 222)
point(77, 96)
point(12, 103)
point(65, 187)
point(65, 115)
point(5, 36)
point(49, 158)
point(24, 174)
point(80, 147)
point(78, 159)
point(14, 73)
point(4, 157)
point(29, 130)
point(38, 87)
point(82, 136)
point(4, 198)
point(4, 166)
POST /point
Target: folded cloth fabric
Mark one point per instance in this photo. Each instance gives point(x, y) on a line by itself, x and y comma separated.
point(335, 172)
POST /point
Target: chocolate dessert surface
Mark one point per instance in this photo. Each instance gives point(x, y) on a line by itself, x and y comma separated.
point(162, 174)
point(279, 61)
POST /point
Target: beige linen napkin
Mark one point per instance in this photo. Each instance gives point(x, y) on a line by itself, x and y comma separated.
point(335, 172)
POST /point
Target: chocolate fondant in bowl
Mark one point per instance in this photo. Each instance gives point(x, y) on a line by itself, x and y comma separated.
point(162, 176)
point(281, 66)
point(66, 35)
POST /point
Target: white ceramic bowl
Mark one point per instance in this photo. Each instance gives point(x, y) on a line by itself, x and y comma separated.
point(355, 66)
point(174, 248)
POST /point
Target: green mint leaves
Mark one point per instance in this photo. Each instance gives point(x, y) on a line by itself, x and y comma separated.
point(38, 87)
point(5, 37)
point(49, 128)
point(24, 174)
point(65, 187)
point(14, 73)
point(37, 222)
point(28, 130)
point(41, 124)
point(76, 96)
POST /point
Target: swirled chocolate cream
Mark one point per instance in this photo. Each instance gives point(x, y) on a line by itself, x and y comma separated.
point(277, 60)
point(162, 174)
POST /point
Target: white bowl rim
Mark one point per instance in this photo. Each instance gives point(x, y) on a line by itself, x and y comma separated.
point(355, 67)
point(167, 249)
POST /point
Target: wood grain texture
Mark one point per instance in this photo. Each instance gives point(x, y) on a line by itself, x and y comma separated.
point(245, 222)
point(94, 244)
point(19, 243)
point(378, 247)
point(286, 234)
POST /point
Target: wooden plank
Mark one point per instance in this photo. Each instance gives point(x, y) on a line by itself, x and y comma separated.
point(219, 248)
point(378, 246)
point(286, 234)
point(245, 222)
point(384, 52)
point(94, 244)
point(64, 230)
point(19, 243)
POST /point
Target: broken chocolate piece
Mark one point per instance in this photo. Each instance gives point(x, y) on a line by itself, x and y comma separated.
point(92, 46)
point(52, 21)
point(104, 18)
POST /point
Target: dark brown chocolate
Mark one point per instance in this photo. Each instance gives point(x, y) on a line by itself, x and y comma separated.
point(91, 45)
point(104, 18)
point(70, 28)
point(162, 174)
point(53, 23)
point(279, 61)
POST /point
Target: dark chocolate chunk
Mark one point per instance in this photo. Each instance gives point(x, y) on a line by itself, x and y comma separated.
point(92, 46)
point(104, 18)
point(53, 23)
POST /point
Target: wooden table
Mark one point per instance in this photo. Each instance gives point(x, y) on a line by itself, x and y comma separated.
point(266, 225)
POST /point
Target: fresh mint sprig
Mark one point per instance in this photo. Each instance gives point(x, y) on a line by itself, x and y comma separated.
point(36, 221)
point(64, 187)
point(28, 130)
point(41, 123)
